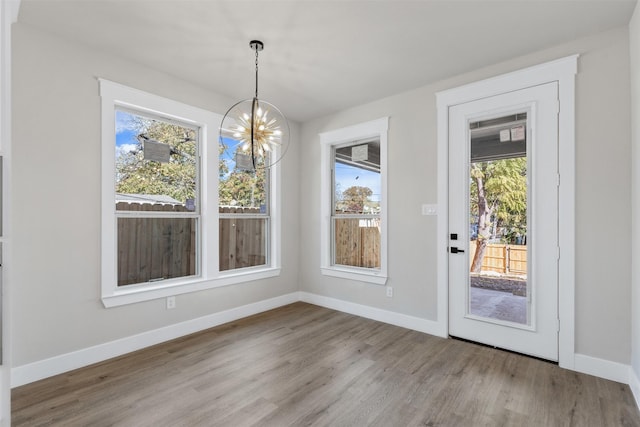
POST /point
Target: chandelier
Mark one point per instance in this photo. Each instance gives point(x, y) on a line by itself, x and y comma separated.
point(254, 132)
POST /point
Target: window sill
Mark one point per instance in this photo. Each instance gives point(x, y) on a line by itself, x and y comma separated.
point(135, 294)
point(375, 277)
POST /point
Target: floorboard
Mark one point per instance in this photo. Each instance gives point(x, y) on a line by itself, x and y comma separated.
point(307, 365)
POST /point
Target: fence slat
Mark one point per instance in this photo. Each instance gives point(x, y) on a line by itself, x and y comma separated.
point(154, 248)
point(357, 244)
point(501, 258)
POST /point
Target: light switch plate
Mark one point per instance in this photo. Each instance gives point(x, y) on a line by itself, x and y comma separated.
point(429, 209)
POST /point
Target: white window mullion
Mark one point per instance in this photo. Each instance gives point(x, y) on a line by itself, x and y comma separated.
point(208, 275)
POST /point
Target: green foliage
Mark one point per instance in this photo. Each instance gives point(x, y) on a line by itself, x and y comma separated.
point(499, 193)
point(176, 178)
point(241, 187)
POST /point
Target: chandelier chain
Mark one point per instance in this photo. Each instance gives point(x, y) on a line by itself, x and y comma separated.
point(256, 73)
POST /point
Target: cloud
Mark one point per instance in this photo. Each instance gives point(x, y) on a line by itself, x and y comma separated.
point(126, 122)
point(125, 148)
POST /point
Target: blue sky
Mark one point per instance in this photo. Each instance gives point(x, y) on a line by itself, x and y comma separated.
point(346, 176)
point(228, 155)
point(126, 131)
point(126, 137)
point(349, 176)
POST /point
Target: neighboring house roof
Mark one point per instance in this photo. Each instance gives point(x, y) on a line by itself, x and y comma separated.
point(146, 198)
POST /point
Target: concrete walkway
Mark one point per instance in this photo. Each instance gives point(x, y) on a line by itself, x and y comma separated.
point(498, 305)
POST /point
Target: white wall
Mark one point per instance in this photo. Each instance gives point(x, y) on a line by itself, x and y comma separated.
point(602, 195)
point(634, 50)
point(56, 205)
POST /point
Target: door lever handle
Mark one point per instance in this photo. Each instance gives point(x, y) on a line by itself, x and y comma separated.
point(455, 250)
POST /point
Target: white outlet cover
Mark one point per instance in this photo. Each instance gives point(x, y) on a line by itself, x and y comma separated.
point(171, 302)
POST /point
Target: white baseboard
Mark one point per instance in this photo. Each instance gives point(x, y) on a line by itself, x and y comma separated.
point(410, 322)
point(634, 384)
point(602, 368)
point(35, 371)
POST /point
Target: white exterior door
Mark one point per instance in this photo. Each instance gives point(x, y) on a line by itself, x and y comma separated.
point(525, 320)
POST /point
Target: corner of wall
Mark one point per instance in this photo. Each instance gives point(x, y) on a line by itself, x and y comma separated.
point(634, 54)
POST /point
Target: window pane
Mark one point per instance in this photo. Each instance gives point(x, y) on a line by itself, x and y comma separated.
point(498, 284)
point(357, 182)
point(240, 185)
point(357, 191)
point(156, 161)
point(243, 242)
point(357, 242)
point(151, 249)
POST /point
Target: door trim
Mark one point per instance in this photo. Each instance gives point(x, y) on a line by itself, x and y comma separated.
point(563, 71)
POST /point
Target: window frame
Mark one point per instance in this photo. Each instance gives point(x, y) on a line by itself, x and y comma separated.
point(267, 216)
point(375, 129)
point(114, 95)
point(197, 214)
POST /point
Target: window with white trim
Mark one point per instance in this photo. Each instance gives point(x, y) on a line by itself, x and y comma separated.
point(175, 217)
point(156, 198)
point(354, 201)
point(244, 211)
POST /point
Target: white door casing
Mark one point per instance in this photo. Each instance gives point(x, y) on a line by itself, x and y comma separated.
point(563, 71)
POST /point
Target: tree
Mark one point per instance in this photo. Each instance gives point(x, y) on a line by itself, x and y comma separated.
point(246, 188)
point(175, 178)
point(354, 199)
point(498, 193)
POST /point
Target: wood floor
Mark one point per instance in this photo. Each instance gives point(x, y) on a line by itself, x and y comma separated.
point(305, 365)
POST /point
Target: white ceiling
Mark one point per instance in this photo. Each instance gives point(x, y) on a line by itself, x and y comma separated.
point(322, 56)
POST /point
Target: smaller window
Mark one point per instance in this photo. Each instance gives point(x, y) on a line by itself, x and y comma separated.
point(357, 197)
point(354, 202)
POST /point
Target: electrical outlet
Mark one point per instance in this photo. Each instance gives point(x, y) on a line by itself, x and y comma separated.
point(171, 302)
point(389, 291)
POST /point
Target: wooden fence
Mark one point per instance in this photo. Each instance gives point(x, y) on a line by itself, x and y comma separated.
point(357, 242)
point(155, 248)
point(501, 258)
point(165, 248)
point(242, 240)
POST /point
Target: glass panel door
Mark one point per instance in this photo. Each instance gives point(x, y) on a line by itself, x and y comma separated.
point(503, 221)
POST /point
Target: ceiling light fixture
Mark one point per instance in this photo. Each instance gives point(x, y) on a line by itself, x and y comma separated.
point(253, 131)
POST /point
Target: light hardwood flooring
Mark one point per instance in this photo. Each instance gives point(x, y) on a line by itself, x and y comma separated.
point(306, 365)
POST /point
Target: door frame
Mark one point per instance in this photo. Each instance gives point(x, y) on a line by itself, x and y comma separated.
point(562, 71)
point(8, 16)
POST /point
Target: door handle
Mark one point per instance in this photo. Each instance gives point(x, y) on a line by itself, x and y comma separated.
point(455, 250)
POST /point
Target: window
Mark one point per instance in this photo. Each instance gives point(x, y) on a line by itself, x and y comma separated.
point(355, 219)
point(354, 202)
point(156, 198)
point(172, 223)
point(244, 210)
